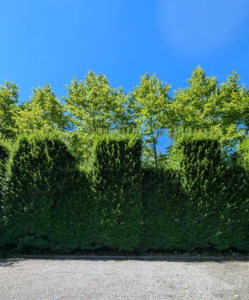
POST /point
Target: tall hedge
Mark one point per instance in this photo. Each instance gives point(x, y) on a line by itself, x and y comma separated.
point(200, 169)
point(117, 209)
point(46, 201)
point(49, 203)
point(216, 197)
point(234, 229)
point(4, 156)
point(164, 210)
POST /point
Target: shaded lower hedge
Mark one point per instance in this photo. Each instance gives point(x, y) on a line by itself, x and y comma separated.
point(48, 204)
point(4, 156)
point(46, 200)
point(233, 209)
point(217, 197)
point(164, 206)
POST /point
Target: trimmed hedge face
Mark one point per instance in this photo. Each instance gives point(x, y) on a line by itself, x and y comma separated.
point(117, 202)
point(4, 156)
point(213, 193)
point(201, 156)
point(164, 205)
point(234, 209)
point(48, 203)
point(45, 197)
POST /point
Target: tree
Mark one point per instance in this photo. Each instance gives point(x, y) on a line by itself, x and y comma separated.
point(150, 102)
point(233, 101)
point(194, 107)
point(204, 106)
point(94, 108)
point(8, 110)
point(43, 112)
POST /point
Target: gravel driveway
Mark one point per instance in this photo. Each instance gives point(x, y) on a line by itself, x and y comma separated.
point(101, 278)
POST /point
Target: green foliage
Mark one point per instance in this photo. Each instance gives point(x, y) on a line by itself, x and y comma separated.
point(104, 184)
point(201, 158)
point(164, 205)
point(217, 196)
point(206, 106)
point(8, 110)
point(233, 103)
point(94, 108)
point(243, 153)
point(4, 156)
point(43, 203)
point(49, 204)
point(200, 169)
point(193, 107)
point(42, 113)
point(117, 201)
point(149, 103)
point(234, 211)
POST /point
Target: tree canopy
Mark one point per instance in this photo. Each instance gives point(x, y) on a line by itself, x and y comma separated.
point(42, 112)
point(8, 110)
point(92, 108)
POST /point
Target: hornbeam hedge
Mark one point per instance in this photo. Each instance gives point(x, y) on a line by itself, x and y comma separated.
point(48, 203)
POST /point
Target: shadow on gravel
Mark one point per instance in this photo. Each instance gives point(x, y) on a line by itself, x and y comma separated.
point(8, 262)
point(208, 254)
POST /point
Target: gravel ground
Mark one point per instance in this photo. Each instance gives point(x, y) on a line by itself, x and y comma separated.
point(101, 278)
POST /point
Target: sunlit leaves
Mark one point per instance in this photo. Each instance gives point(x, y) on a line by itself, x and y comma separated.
point(8, 110)
point(208, 107)
point(94, 109)
point(150, 103)
point(43, 112)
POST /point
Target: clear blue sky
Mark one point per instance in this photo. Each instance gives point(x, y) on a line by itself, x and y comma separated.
point(54, 40)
